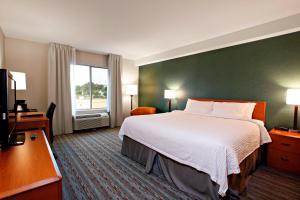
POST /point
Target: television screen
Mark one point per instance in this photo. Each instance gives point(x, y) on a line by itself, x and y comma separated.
point(7, 107)
point(11, 99)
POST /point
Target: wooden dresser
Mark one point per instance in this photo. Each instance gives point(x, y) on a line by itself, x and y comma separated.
point(284, 151)
point(30, 171)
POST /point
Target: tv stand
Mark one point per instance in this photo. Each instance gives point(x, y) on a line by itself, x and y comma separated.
point(17, 139)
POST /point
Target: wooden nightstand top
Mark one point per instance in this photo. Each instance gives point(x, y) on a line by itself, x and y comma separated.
point(285, 133)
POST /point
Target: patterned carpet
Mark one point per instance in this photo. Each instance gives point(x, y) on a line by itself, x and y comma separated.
point(93, 168)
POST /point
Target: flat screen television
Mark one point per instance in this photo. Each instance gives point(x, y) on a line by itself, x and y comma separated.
point(7, 106)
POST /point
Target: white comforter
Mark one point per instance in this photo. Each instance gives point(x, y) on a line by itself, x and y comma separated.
point(213, 145)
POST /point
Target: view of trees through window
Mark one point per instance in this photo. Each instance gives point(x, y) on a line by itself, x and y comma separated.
point(90, 87)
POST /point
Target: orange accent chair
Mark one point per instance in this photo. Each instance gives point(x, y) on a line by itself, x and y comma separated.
point(143, 111)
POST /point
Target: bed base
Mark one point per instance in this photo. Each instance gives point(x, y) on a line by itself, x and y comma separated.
point(196, 183)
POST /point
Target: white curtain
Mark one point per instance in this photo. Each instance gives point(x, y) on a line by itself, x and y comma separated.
point(60, 58)
point(115, 90)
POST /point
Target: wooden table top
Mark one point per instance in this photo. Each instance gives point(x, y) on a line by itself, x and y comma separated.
point(27, 166)
point(285, 133)
point(31, 116)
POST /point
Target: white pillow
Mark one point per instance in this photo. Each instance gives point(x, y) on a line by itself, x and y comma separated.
point(199, 107)
point(250, 110)
point(233, 110)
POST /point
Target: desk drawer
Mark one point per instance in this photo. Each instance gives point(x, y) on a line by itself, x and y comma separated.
point(287, 144)
point(284, 161)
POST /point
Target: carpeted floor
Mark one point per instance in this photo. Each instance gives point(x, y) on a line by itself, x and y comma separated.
point(93, 168)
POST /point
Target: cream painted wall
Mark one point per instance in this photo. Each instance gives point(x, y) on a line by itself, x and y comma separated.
point(130, 75)
point(31, 58)
point(2, 37)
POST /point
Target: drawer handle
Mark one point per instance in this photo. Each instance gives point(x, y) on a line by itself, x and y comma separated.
point(285, 144)
point(284, 159)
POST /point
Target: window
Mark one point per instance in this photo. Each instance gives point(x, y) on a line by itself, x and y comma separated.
point(90, 85)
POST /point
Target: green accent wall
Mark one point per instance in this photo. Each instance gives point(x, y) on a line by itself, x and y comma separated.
point(261, 70)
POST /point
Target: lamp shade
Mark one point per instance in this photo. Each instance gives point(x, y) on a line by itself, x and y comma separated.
point(170, 94)
point(131, 89)
point(293, 97)
point(20, 79)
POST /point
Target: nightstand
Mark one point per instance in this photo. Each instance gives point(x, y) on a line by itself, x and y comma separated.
point(284, 151)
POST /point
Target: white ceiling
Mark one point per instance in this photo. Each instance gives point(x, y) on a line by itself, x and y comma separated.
point(135, 28)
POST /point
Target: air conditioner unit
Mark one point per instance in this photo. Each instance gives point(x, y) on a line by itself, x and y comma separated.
point(90, 121)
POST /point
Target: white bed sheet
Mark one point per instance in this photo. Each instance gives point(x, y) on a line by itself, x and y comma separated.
point(213, 145)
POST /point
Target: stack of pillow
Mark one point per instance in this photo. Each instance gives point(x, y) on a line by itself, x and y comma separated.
point(230, 110)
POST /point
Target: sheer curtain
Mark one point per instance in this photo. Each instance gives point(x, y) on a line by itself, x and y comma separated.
point(60, 58)
point(115, 90)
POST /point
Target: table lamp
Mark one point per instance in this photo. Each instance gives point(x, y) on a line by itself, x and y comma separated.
point(293, 98)
point(170, 94)
point(20, 78)
point(131, 90)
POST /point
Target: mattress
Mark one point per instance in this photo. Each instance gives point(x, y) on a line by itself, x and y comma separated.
point(215, 146)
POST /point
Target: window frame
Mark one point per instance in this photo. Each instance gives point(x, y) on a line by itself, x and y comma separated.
point(91, 109)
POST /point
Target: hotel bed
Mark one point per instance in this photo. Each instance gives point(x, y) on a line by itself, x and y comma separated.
point(202, 152)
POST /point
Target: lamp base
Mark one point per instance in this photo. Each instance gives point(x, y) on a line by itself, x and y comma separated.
point(294, 131)
point(131, 96)
point(295, 126)
point(170, 105)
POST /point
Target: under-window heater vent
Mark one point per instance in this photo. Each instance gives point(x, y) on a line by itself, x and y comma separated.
point(81, 122)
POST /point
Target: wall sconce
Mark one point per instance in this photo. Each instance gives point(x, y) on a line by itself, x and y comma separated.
point(131, 90)
point(170, 94)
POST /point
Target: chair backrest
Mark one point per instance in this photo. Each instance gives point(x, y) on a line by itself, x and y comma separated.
point(50, 111)
point(49, 114)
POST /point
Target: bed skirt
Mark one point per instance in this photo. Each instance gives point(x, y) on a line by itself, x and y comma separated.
point(186, 178)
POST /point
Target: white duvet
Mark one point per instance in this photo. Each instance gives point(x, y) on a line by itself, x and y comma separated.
point(213, 145)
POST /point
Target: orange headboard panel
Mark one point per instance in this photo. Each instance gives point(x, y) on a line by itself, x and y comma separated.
point(259, 110)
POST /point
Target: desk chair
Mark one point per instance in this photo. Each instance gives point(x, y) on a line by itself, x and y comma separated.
point(143, 111)
point(49, 114)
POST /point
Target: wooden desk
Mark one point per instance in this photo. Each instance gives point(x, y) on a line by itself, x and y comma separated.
point(27, 121)
point(30, 171)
